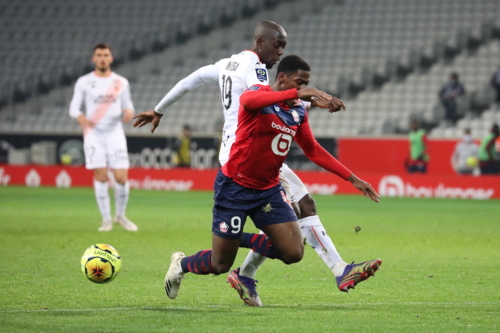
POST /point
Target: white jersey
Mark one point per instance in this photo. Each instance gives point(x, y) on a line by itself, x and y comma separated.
point(234, 75)
point(105, 99)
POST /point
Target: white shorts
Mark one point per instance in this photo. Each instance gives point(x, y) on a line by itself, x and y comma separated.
point(297, 187)
point(106, 149)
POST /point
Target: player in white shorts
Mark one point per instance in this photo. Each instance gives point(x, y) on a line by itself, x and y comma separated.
point(107, 100)
point(235, 75)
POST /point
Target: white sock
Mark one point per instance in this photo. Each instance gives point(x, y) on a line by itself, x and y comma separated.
point(102, 197)
point(318, 239)
point(121, 197)
point(251, 263)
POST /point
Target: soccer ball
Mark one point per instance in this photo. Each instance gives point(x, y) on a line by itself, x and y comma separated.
point(101, 263)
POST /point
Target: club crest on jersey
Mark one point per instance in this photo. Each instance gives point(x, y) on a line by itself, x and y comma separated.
point(295, 116)
point(261, 74)
point(223, 227)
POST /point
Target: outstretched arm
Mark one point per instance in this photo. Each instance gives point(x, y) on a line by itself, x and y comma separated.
point(204, 75)
point(321, 157)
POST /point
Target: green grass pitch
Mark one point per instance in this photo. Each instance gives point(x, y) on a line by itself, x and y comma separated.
point(441, 270)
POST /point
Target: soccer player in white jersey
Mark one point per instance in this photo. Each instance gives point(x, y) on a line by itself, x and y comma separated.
point(106, 96)
point(235, 75)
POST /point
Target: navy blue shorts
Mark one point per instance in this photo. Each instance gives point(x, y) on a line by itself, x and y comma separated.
point(234, 202)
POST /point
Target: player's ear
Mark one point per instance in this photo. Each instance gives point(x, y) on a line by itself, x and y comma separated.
point(281, 77)
point(260, 43)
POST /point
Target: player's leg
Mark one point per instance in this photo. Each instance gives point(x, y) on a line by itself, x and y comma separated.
point(216, 261)
point(253, 260)
point(275, 216)
point(311, 225)
point(225, 243)
point(118, 161)
point(347, 276)
point(102, 197)
point(95, 159)
point(122, 192)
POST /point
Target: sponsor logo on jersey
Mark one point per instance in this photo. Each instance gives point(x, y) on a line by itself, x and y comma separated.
point(283, 128)
point(254, 88)
point(281, 144)
point(105, 99)
point(261, 74)
point(277, 108)
point(223, 227)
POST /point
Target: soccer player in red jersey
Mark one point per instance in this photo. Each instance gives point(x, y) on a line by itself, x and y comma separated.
point(269, 119)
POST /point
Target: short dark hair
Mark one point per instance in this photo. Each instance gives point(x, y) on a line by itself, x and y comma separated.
point(495, 129)
point(101, 46)
point(292, 64)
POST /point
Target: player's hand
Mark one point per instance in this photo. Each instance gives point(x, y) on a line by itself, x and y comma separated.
point(364, 187)
point(146, 118)
point(127, 115)
point(83, 121)
point(313, 94)
point(334, 105)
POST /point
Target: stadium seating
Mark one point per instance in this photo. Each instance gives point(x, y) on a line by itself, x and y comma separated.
point(347, 43)
point(45, 43)
point(390, 109)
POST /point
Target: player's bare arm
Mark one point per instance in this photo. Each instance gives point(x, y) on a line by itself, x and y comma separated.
point(127, 115)
point(364, 187)
point(148, 117)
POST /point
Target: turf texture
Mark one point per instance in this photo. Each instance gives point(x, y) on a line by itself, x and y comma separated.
point(440, 272)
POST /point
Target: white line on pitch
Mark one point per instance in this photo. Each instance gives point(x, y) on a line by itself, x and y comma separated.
point(232, 306)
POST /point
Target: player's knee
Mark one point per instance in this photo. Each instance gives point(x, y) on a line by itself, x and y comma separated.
point(121, 179)
point(294, 255)
point(220, 268)
point(307, 206)
point(101, 178)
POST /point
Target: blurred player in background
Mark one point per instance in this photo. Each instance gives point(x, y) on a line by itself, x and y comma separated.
point(464, 158)
point(107, 100)
point(488, 161)
point(269, 119)
point(418, 159)
point(235, 75)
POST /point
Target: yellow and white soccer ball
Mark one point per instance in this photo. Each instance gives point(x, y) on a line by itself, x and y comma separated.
point(101, 263)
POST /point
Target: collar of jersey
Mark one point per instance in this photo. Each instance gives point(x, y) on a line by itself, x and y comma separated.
point(255, 54)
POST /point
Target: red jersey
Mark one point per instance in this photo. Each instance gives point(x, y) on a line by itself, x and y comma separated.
point(266, 129)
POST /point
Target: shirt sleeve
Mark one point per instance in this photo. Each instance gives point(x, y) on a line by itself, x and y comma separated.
point(127, 98)
point(318, 154)
point(77, 100)
point(204, 75)
point(256, 97)
point(257, 75)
